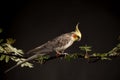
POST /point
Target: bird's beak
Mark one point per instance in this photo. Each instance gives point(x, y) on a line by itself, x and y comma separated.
point(79, 39)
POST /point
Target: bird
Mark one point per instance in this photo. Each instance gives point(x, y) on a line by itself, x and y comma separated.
point(58, 44)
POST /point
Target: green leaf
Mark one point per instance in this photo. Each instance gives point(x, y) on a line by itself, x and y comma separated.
point(68, 57)
point(1, 49)
point(7, 59)
point(10, 41)
point(88, 49)
point(105, 58)
point(71, 57)
point(27, 64)
point(40, 59)
point(75, 56)
point(85, 48)
point(2, 57)
point(46, 57)
point(1, 40)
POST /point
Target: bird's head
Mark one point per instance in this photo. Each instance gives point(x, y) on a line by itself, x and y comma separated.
point(76, 35)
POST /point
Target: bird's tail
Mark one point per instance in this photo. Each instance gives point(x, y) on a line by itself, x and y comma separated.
point(28, 59)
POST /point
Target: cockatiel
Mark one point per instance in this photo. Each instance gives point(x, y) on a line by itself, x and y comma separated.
point(58, 44)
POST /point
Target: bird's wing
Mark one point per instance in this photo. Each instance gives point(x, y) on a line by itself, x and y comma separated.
point(52, 44)
point(60, 41)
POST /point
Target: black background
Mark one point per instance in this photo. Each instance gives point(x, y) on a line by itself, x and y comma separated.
point(33, 23)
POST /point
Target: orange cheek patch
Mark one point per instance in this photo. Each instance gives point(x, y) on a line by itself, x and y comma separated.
point(74, 36)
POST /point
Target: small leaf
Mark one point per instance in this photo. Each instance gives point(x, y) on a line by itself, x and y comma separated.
point(85, 48)
point(7, 59)
point(9, 48)
point(27, 64)
point(1, 40)
point(10, 41)
point(71, 57)
point(2, 57)
point(105, 58)
point(88, 49)
point(68, 57)
point(46, 57)
point(40, 59)
point(1, 49)
point(75, 56)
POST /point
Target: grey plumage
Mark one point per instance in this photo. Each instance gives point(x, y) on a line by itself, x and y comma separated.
point(53, 45)
point(58, 44)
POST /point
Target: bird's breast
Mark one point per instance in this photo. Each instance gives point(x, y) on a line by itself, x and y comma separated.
point(65, 46)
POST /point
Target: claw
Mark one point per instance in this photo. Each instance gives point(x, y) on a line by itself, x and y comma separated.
point(66, 54)
point(58, 54)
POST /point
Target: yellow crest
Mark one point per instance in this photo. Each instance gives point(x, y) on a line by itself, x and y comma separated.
point(77, 31)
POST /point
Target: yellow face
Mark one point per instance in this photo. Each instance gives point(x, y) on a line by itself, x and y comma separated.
point(76, 34)
point(75, 37)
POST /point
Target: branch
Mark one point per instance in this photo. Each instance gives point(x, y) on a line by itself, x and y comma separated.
point(11, 54)
point(94, 57)
point(7, 51)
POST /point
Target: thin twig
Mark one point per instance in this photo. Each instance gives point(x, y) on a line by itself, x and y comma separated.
point(96, 58)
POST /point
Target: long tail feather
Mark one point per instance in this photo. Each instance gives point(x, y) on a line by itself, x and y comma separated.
point(28, 59)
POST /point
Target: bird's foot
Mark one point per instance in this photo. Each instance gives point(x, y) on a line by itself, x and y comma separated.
point(66, 54)
point(58, 54)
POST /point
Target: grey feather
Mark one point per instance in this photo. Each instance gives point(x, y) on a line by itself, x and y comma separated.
point(28, 59)
point(46, 48)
